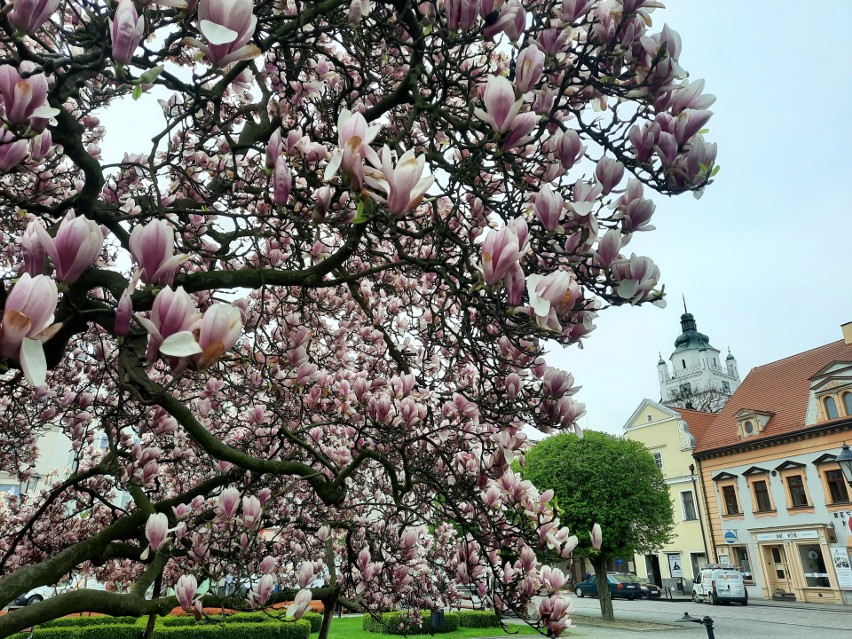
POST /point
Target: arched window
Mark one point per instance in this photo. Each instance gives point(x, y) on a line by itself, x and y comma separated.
point(847, 404)
point(830, 408)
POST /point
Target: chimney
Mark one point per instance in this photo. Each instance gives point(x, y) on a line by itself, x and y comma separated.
point(847, 332)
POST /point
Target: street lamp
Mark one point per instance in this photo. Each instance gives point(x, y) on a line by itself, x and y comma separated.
point(844, 460)
point(707, 622)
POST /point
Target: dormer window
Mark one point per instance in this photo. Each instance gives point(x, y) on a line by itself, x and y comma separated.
point(752, 422)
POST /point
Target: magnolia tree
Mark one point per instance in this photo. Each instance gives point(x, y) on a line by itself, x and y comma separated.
point(295, 339)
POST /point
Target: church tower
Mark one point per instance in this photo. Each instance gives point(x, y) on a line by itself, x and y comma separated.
point(695, 376)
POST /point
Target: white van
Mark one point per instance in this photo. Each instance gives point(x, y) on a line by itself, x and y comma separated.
point(716, 584)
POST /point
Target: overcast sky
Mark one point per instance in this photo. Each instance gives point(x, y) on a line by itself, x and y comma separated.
point(764, 257)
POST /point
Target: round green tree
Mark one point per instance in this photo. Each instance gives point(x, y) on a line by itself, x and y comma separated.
point(610, 481)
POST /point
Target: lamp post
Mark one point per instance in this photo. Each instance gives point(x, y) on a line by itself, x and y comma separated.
point(844, 460)
point(706, 621)
point(698, 512)
point(29, 484)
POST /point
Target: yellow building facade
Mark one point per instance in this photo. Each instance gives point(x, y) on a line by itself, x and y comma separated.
point(670, 436)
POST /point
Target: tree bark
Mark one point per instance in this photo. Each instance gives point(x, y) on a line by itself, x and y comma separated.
point(604, 595)
point(152, 618)
point(329, 605)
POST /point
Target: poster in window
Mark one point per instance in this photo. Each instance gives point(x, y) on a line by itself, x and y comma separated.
point(675, 566)
point(840, 558)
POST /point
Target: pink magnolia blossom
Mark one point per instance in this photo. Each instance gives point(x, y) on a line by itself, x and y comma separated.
point(25, 99)
point(596, 536)
point(609, 173)
point(300, 604)
point(27, 317)
point(354, 136)
point(12, 150)
point(152, 246)
point(548, 207)
point(157, 530)
point(126, 31)
point(569, 148)
point(501, 107)
point(500, 250)
point(403, 184)
point(227, 26)
point(228, 503)
point(552, 296)
point(220, 329)
point(173, 318)
point(461, 14)
point(260, 594)
point(282, 182)
point(528, 68)
point(636, 278)
point(77, 244)
point(185, 591)
point(251, 511)
point(29, 15)
point(32, 250)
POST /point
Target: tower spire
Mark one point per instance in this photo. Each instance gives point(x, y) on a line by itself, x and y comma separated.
point(683, 295)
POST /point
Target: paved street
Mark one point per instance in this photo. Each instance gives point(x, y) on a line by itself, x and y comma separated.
point(756, 621)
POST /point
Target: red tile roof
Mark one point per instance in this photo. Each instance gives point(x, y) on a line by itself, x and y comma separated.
point(698, 421)
point(781, 388)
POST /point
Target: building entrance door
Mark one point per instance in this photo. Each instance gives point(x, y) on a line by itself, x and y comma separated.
point(652, 568)
point(777, 569)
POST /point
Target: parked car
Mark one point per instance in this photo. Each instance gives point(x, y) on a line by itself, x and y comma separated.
point(716, 584)
point(35, 595)
point(650, 591)
point(620, 585)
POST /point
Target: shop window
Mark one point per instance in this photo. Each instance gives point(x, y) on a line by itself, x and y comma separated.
point(830, 408)
point(847, 404)
point(729, 497)
point(836, 483)
point(688, 503)
point(742, 562)
point(762, 501)
point(813, 564)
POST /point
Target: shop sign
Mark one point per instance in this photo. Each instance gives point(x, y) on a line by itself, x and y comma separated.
point(787, 535)
point(840, 557)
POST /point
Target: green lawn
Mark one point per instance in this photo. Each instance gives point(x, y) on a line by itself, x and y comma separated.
point(351, 628)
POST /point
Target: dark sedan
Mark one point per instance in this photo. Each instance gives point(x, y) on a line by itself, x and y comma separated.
point(650, 591)
point(620, 585)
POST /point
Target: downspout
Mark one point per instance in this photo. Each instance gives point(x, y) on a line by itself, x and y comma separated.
point(707, 510)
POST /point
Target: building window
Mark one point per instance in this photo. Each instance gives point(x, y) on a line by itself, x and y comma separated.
point(683, 363)
point(847, 404)
point(726, 387)
point(685, 389)
point(836, 487)
point(748, 427)
point(830, 408)
point(796, 489)
point(761, 496)
point(688, 503)
point(658, 459)
point(813, 565)
point(729, 496)
point(10, 489)
point(649, 418)
point(742, 562)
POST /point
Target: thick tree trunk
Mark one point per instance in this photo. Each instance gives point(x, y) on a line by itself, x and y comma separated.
point(604, 595)
point(328, 612)
point(152, 618)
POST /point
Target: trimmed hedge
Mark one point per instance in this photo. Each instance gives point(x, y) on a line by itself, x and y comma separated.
point(81, 622)
point(478, 619)
point(261, 628)
point(266, 630)
point(396, 623)
point(314, 618)
point(103, 631)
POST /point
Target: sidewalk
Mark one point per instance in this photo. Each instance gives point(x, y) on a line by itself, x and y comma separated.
point(796, 605)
